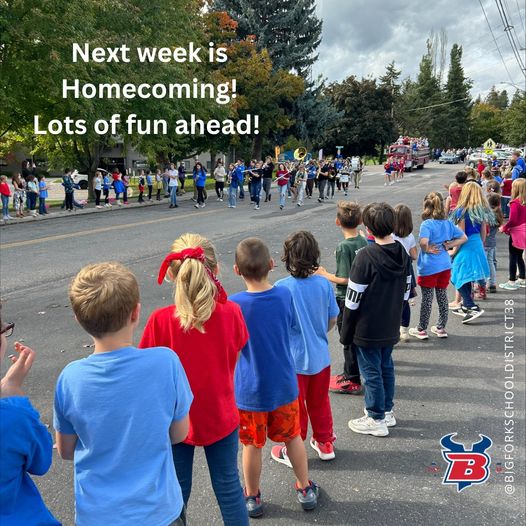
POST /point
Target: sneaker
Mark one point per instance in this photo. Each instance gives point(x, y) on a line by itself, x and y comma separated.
point(482, 293)
point(196, 206)
point(319, 200)
point(369, 426)
point(492, 289)
point(522, 282)
point(340, 384)
point(202, 205)
point(390, 420)
point(441, 333)
point(325, 450)
point(385, 184)
point(460, 311)
point(510, 285)
point(473, 314)
point(404, 334)
point(254, 505)
point(256, 207)
point(281, 207)
point(308, 497)
point(279, 454)
point(221, 200)
point(417, 333)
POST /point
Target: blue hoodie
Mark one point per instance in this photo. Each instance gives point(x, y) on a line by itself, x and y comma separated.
point(26, 447)
point(200, 177)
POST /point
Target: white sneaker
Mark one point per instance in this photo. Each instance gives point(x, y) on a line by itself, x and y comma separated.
point(404, 334)
point(390, 420)
point(522, 282)
point(368, 426)
point(385, 184)
point(256, 207)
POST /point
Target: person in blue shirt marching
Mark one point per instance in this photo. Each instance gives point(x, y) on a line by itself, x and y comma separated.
point(199, 176)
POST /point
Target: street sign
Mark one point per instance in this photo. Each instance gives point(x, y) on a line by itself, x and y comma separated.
point(489, 145)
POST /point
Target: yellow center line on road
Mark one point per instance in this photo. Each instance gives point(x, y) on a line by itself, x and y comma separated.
point(28, 242)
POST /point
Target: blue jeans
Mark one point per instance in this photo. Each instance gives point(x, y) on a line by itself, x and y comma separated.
point(491, 255)
point(255, 190)
point(232, 195)
point(283, 190)
point(42, 206)
point(173, 195)
point(505, 205)
point(377, 369)
point(5, 205)
point(31, 200)
point(222, 464)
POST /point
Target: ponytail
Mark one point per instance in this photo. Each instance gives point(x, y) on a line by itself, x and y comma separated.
point(433, 206)
point(192, 264)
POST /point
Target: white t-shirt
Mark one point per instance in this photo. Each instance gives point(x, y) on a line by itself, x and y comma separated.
point(174, 178)
point(408, 242)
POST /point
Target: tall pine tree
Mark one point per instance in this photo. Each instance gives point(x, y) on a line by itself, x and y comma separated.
point(456, 93)
point(288, 29)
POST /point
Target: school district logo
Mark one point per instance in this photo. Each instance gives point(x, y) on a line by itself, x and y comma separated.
point(466, 466)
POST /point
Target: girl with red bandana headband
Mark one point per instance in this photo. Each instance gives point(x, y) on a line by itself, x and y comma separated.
point(207, 332)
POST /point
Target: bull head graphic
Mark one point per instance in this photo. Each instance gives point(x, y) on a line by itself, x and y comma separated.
point(466, 466)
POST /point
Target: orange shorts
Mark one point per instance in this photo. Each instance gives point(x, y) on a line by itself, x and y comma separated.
point(280, 425)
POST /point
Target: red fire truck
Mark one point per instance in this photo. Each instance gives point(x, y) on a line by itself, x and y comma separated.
point(415, 156)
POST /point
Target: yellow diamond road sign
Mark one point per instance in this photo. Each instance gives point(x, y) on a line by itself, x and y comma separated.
point(489, 144)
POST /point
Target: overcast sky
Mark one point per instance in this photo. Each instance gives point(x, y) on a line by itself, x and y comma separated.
point(361, 36)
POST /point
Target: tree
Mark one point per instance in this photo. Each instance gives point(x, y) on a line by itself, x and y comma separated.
point(514, 129)
point(366, 120)
point(36, 52)
point(486, 122)
point(288, 29)
point(456, 115)
point(496, 99)
point(390, 80)
point(261, 90)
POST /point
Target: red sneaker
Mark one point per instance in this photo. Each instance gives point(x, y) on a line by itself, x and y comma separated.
point(339, 384)
point(325, 450)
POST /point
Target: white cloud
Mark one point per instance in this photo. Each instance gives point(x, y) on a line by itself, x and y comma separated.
point(360, 37)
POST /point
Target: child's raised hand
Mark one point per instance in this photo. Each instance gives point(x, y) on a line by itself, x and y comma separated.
point(11, 383)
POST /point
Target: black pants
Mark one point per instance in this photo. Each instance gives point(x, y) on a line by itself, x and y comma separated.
point(181, 182)
point(150, 190)
point(106, 193)
point(516, 261)
point(69, 201)
point(330, 190)
point(322, 183)
point(141, 200)
point(97, 197)
point(220, 189)
point(159, 194)
point(310, 187)
point(200, 195)
point(351, 370)
point(267, 182)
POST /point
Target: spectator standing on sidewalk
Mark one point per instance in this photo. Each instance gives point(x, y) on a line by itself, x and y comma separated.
point(5, 193)
point(19, 195)
point(173, 183)
point(97, 188)
point(42, 194)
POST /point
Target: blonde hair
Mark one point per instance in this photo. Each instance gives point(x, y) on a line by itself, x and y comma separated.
point(103, 296)
point(195, 292)
point(433, 206)
point(473, 202)
point(518, 190)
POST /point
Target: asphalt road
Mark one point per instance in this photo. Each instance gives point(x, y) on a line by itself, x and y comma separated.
point(443, 386)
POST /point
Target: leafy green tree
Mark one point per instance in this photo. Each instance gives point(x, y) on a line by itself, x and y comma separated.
point(514, 129)
point(486, 122)
point(366, 121)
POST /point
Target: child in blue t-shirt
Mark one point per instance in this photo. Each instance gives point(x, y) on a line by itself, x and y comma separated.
point(265, 381)
point(26, 445)
point(118, 411)
point(42, 194)
point(317, 312)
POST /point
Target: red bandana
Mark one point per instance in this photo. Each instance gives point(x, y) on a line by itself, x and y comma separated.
point(192, 253)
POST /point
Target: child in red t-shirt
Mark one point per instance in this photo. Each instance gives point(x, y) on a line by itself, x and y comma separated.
point(207, 332)
point(5, 193)
point(506, 193)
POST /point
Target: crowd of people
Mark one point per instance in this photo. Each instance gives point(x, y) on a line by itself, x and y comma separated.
point(296, 180)
point(133, 448)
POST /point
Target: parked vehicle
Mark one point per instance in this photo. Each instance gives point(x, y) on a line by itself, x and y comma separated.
point(449, 158)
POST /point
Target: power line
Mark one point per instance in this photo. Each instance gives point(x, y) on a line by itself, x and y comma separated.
point(437, 105)
point(508, 28)
point(495, 40)
point(522, 21)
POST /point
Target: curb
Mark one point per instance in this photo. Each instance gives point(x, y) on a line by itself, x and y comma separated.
point(85, 211)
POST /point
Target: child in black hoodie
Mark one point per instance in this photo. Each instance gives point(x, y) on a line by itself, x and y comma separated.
point(379, 282)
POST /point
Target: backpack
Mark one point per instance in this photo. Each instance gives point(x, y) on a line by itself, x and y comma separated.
point(355, 164)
